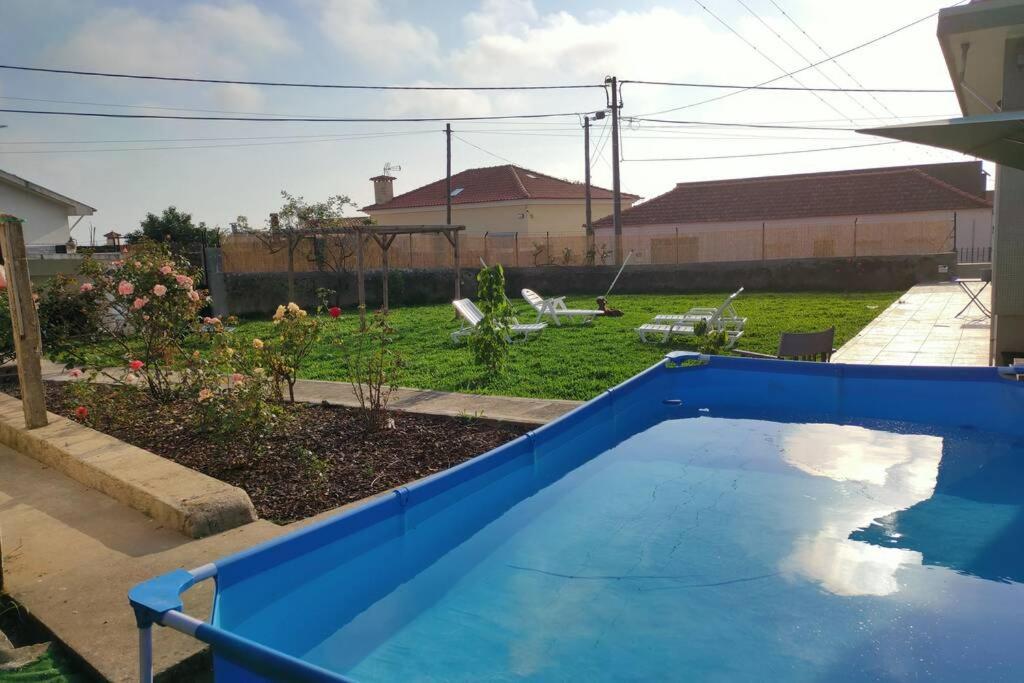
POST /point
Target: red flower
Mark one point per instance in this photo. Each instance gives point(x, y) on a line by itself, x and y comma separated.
point(334, 311)
point(81, 412)
point(136, 365)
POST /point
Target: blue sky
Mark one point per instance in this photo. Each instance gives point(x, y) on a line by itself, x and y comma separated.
point(111, 165)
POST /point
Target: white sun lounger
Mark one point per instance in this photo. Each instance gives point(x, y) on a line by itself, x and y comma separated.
point(698, 313)
point(723, 318)
point(556, 308)
point(471, 317)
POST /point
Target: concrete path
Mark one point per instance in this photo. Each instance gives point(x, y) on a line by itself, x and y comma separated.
point(534, 411)
point(921, 328)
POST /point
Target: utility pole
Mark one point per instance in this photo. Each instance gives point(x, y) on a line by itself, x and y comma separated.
point(616, 186)
point(448, 173)
point(586, 168)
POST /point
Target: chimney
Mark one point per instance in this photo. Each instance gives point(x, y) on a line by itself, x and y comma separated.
point(383, 189)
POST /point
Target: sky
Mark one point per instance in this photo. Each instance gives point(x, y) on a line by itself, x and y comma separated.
point(218, 170)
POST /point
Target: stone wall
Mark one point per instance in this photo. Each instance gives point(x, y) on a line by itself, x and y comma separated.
point(260, 293)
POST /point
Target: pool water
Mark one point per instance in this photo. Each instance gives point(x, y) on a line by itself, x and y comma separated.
point(699, 546)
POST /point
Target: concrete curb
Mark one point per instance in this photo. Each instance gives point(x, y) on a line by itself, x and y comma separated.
point(175, 496)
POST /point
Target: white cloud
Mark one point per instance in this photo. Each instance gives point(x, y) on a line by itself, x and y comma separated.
point(202, 40)
point(364, 31)
point(235, 97)
point(501, 15)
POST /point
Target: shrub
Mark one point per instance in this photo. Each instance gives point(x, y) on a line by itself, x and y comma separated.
point(69, 313)
point(709, 340)
point(295, 335)
point(233, 393)
point(152, 310)
point(373, 369)
point(490, 340)
point(6, 329)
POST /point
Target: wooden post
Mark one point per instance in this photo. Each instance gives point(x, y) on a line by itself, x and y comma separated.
point(360, 285)
point(458, 265)
point(25, 323)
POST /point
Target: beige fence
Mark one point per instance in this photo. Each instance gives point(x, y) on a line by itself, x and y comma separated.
point(247, 254)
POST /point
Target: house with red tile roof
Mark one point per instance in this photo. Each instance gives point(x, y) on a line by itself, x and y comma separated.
point(494, 199)
point(875, 199)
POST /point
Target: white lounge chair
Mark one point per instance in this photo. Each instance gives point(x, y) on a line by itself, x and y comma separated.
point(662, 332)
point(698, 313)
point(724, 318)
point(471, 317)
point(556, 308)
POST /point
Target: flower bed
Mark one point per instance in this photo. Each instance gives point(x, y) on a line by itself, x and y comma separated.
point(325, 458)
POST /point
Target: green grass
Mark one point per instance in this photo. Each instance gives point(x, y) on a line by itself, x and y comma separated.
point(578, 362)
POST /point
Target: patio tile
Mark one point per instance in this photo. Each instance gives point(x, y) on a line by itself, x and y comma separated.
point(944, 359)
point(894, 358)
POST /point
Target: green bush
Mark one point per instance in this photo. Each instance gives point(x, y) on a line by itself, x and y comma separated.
point(490, 340)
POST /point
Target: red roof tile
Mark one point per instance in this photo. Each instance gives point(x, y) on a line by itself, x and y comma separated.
point(838, 193)
point(494, 184)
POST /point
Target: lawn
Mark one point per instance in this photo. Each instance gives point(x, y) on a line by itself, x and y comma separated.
point(578, 362)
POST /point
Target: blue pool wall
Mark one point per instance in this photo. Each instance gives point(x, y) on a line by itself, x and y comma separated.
point(973, 397)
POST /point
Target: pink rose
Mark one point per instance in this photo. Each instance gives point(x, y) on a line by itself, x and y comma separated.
point(74, 373)
point(125, 288)
point(193, 295)
point(136, 365)
point(183, 280)
point(87, 287)
point(140, 302)
point(138, 264)
point(211, 321)
point(159, 290)
point(81, 412)
point(166, 270)
point(237, 378)
point(205, 394)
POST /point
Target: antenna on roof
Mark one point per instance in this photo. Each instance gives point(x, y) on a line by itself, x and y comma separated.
point(389, 168)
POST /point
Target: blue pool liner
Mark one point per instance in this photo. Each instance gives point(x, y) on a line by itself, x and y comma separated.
point(984, 398)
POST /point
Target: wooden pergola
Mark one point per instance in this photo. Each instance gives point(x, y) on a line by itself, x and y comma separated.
point(384, 236)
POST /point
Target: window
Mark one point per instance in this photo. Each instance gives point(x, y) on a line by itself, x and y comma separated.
point(457, 190)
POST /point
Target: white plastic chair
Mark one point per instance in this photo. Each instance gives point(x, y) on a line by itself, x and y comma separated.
point(471, 317)
point(555, 308)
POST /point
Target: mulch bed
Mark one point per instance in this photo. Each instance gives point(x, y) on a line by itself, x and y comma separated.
point(323, 458)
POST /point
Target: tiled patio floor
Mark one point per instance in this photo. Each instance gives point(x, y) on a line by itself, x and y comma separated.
point(921, 329)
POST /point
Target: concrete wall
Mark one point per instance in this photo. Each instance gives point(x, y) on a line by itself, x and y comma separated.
point(45, 222)
point(260, 293)
point(537, 216)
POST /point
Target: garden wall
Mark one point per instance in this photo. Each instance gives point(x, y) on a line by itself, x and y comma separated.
point(260, 293)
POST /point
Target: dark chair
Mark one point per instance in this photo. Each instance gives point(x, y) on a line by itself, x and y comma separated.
point(814, 346)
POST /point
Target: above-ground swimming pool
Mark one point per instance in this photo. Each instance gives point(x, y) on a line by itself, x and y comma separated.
point(719, 519)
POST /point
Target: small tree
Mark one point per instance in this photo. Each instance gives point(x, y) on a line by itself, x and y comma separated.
point(490, 340)
point(373, 369)
point(297, 220)
point(174, 227)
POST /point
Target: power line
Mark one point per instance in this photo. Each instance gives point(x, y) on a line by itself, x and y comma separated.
point(286, 84)
point(306, 119)
point(823, 51)
point(241, 144)
point(210, 139)
point(802, 88)
point(829, 58)
point(769, 154)
point(766, 57)
point(801, 55)
point(485, 151)
point(741, 125)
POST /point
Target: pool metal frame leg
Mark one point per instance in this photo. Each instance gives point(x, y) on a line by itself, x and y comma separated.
point(146, 654)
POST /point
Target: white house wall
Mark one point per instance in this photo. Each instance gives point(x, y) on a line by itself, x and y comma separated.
point(45, 222)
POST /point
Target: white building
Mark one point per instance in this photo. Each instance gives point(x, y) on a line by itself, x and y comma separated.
point(45, 213)
point(927, 208)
